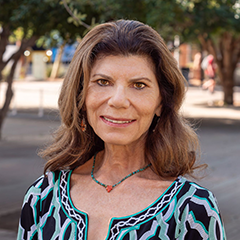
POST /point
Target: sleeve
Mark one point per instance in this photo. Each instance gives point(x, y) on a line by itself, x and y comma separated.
point(201, 218)
point(29, 219)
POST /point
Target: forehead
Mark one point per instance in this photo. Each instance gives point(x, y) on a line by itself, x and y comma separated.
point(143, 61)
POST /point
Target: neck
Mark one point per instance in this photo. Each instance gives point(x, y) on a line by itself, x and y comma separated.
point(116, 162)
point(109, 187)
point(123, 157)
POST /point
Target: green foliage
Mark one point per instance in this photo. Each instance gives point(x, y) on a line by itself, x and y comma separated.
point(189, 18)
point(107, 10)
point(79, 16)
point(28, 18)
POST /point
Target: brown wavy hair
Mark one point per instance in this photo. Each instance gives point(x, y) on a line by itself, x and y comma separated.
point(173, 145)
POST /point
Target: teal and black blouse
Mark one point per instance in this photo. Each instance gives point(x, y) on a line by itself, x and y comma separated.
point(184, 211)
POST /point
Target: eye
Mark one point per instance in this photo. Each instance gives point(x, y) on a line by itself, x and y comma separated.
point(103, 82)
point(139, 85)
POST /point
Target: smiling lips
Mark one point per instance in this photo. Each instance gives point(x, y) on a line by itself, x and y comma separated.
point(114, 121)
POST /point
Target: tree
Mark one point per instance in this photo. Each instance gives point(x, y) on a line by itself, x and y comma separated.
point(9, 23)
point(34, 20)
point(214, 23)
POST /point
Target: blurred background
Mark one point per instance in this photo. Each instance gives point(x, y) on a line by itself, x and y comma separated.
point(37, 42)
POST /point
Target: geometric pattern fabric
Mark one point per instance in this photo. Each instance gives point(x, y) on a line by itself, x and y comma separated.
point(185, 211)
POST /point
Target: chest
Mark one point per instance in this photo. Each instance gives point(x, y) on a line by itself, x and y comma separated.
point(104, 210)
point(101, 216)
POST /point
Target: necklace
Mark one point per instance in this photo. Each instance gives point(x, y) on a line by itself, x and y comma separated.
point(109, 188)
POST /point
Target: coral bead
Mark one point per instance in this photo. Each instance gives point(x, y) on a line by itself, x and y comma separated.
point(109, 188)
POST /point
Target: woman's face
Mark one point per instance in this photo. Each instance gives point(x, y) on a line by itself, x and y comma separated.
point(122, 98)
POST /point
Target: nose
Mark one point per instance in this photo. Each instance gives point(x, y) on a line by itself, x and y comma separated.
point(119, 98)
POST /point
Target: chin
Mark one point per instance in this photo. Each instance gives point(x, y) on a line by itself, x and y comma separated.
point(122, 140)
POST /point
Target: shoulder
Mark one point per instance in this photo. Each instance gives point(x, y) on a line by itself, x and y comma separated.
point(42, 186)
point(193, 188)
point(198, 195)
point(42, 194)
point(45, 180)
point(41, 204)
point(198, 210)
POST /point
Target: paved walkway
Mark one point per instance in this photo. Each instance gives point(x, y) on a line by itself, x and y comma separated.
point(24, 132)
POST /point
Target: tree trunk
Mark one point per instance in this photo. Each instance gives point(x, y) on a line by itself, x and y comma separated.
point(227, 66)
point(8, 96)
point(3, 43)
point(227, 84)
point(57, 62)
point(9, 93)
point(226, 59)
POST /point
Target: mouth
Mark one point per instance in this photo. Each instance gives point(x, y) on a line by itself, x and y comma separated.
point(117, 121)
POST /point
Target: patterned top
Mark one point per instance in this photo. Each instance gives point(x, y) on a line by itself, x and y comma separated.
point(184, 211)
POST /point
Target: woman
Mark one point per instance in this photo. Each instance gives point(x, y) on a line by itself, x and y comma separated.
point(115, 169)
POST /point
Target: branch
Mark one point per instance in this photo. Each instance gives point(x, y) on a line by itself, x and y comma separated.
point(28, 42)
point(74, 17)
point(8, 95)
point(24, 44)
point(4, 40)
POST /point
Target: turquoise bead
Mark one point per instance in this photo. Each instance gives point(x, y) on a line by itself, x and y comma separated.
point(106, 186)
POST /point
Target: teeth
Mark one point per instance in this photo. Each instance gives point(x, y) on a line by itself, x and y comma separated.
point(115, 121)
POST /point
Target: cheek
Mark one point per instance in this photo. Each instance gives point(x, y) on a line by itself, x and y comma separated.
point(92, 99)
point(90, 109)
point(150, 104)
point(147, 113)
point(93, 109)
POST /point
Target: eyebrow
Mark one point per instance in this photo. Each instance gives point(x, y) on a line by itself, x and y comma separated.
point(102, 75)
point(131, 80)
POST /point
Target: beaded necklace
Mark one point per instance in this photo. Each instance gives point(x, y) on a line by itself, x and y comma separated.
point(109, 188)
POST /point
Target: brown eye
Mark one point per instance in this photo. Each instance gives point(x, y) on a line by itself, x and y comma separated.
point(139, 85)
point(103, 82)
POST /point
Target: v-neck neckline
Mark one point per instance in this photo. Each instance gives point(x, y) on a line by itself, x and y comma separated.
point(81, 217)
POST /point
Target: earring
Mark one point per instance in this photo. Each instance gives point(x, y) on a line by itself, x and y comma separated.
point(83, 125)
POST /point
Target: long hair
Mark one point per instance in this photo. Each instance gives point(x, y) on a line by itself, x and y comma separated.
point(171, 147)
